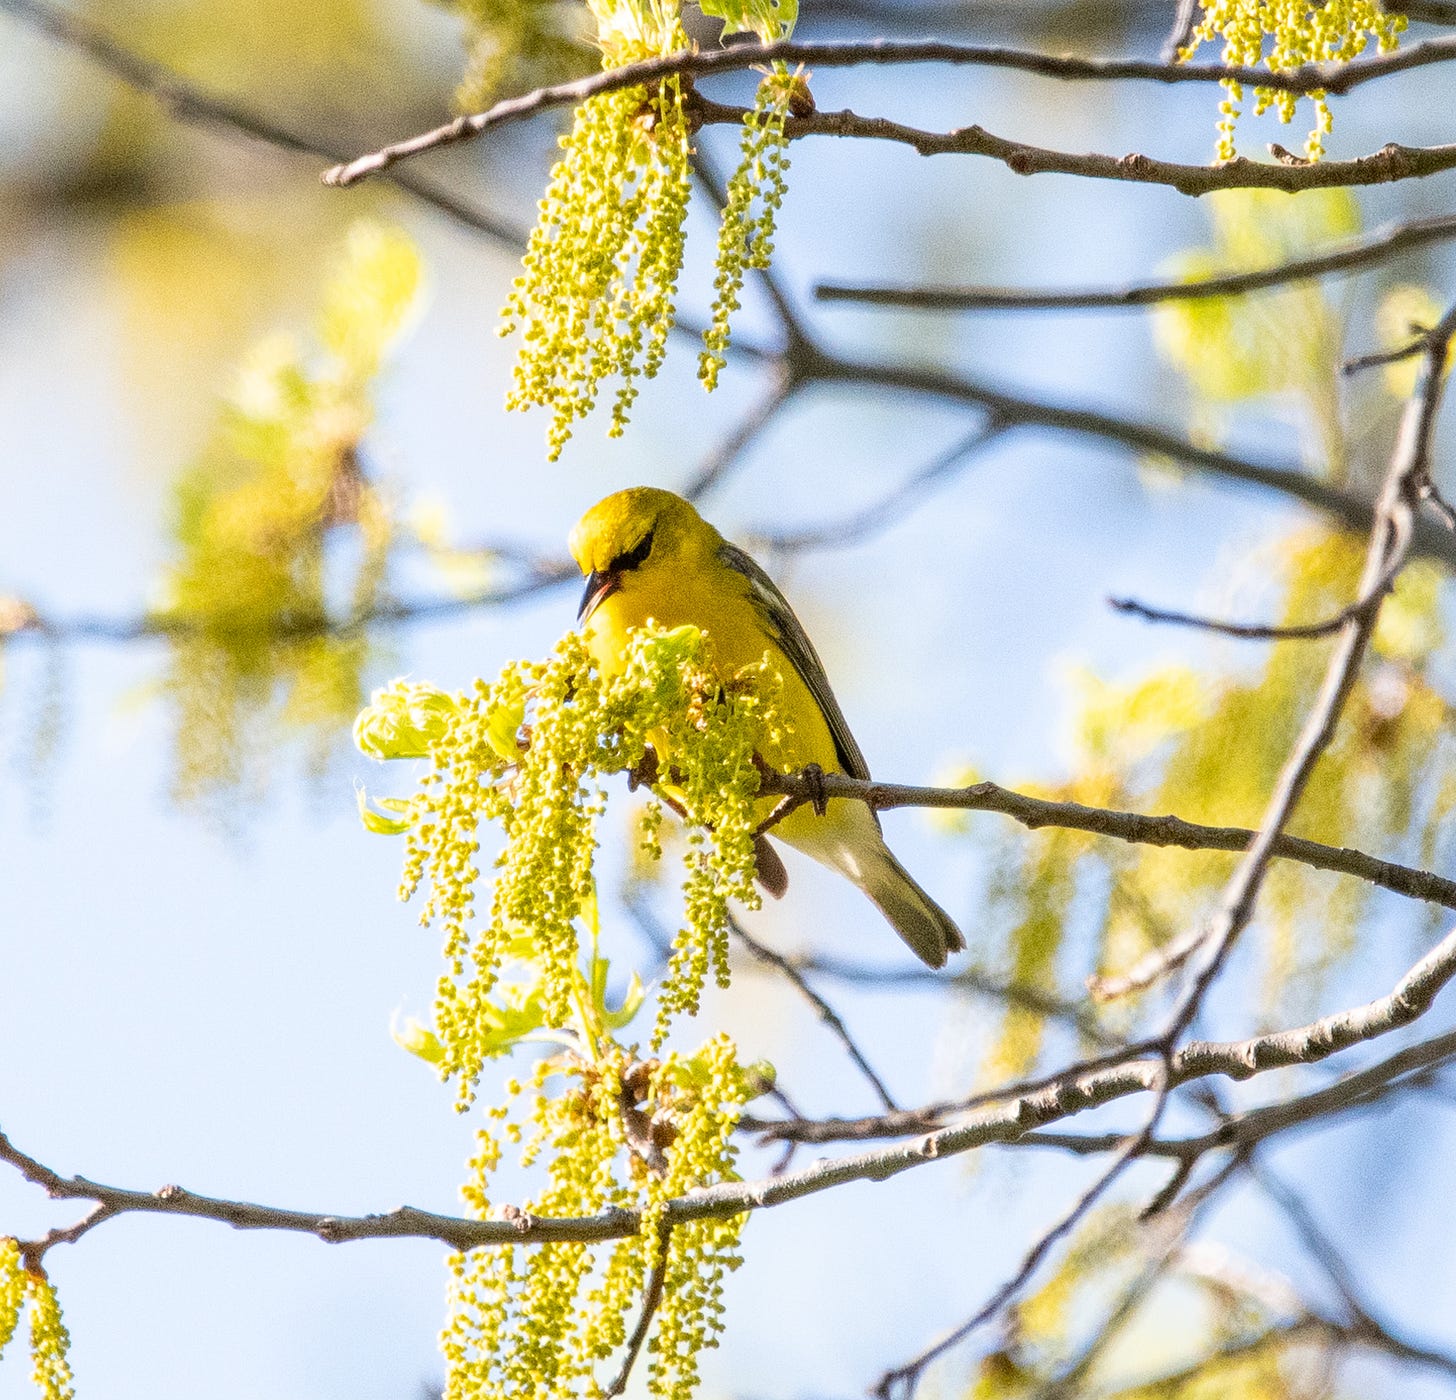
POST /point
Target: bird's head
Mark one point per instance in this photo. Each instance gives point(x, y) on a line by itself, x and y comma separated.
point(633, 535)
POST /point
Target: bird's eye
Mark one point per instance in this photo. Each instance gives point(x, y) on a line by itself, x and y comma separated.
point(633, 557)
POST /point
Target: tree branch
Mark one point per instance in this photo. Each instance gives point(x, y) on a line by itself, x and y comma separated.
point(1077, 1088)
point(1331, 78)
point(1035, 812)
point(1378, 247)
point(1070, 1094)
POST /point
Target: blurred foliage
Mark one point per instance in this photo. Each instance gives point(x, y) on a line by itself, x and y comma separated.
point(274, 523)
point(1283, 36)
point(1210, 746)
point(514, 45)
point(1283, 343)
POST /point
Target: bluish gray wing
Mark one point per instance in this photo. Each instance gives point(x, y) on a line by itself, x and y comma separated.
point(794, 642)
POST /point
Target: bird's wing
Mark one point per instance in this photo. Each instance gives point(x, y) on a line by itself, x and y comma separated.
point(794, 642)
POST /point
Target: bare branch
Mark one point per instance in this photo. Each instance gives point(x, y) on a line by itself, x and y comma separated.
point(1363, 1327)
point(651, 1300)
point(1391, 163)
point(1075, 1089)
point(1411, 997)
point(1378, 247)
point(1246, 630)
point(1035, 812)
point(1243, 1131)
point(1331, 77)
point(1390, 540)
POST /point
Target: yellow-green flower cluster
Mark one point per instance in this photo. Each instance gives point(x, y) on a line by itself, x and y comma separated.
point(597, 293)
point(1297, 32)
point(246, 601)
point(544, 1321)
point(755, 193)
point(529, 753)
point(50, 1343)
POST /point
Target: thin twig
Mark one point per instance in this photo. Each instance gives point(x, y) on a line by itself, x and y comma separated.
point(827, 1014)
point(1248, 631)
point(651, 1301)
point(1393, 356)
point(1377, 247)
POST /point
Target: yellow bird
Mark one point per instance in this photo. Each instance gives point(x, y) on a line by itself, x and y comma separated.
point(648, 554)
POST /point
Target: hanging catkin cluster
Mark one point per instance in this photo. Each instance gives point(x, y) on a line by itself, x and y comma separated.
point(609, 1128)
point(530, 753)
point(1284, 34)
point(22, 1288)
point(597, 292)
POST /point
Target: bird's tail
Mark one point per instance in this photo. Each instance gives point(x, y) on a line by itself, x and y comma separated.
point(927, 929)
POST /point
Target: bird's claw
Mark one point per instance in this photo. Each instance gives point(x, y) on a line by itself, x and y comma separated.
point(813, 776)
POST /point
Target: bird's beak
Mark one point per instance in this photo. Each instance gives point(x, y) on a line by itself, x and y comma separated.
point(599, 587)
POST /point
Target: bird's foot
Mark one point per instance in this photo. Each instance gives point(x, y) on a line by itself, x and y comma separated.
point(813, 776)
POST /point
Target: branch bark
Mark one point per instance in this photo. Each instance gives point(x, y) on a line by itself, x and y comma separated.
point(1332, 78)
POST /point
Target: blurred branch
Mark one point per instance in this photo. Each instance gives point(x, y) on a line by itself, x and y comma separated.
point(1071, 1093)
point(548, 574)
point(1147, 438)
point(1362, 1326)
point(1378, 247)
point(1429, 11)
point(1034, 812)
point(826, 1013)
point(189, 102)
point(723, 458)
point(1249, 631)
point(1074, 1015)
point(1326, 77)
point(886, 512)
